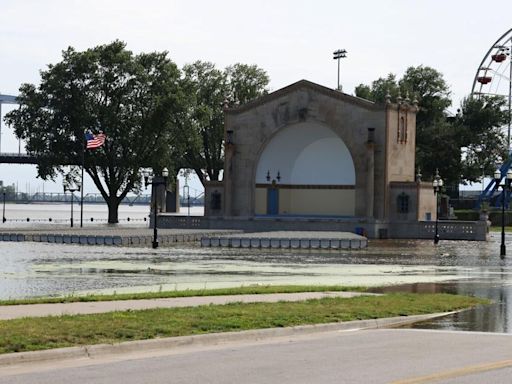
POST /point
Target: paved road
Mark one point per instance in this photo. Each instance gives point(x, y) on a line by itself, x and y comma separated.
point(371, 356)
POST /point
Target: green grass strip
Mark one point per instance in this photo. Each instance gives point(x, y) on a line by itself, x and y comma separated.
point(253, 289)
point(30, 334)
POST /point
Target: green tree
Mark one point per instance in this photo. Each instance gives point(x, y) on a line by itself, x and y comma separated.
point(462, 147)
point(484, 145)
point(213, 90)
point(136, 100)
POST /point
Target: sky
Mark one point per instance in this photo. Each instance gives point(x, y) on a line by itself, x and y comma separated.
point(291, 40)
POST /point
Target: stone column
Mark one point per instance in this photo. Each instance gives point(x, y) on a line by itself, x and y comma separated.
point(229, 153)
point(370, 173)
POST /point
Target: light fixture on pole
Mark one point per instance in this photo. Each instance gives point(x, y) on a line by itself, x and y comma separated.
point(437, 184)
point(3, 216)
point(72, 187)
point(337, 55)
point(186, 194)
point(150, 180)
point(505, 188)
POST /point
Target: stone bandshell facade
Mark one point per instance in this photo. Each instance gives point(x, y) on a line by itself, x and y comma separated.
point(380, 139)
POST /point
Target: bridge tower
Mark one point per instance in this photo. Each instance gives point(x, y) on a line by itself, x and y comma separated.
point(5, 99)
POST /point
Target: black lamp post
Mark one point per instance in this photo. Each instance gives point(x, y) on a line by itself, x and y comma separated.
point(71, 186)
point(148, 179)
point(186, 194)
point(437, 184)
point(505, 188)
point(3, 216)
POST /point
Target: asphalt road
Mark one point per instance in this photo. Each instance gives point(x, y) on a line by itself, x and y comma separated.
point(398, 356)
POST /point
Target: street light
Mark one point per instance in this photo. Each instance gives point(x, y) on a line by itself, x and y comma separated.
point(71, 186)
point(148, 179)
point(337, 55)
point(505, 188)
point(186, 194)
point(437, 184)
point(3, 216)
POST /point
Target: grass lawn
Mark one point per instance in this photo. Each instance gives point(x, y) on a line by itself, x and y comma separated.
point(253, 289)
point(30, 334)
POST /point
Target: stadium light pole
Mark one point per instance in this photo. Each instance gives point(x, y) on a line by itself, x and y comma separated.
point(337, 55)
point(149, 180)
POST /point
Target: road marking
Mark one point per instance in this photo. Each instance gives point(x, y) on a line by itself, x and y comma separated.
point(456, 372)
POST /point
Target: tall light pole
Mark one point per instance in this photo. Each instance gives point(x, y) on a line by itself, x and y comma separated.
point(337, 55)
point(71, 186)
point(186, 194)
point(505, 187)
point(150, 180)
point(3, 215)
point(437, 184)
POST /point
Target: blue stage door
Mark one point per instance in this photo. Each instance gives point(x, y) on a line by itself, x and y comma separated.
point(272, 201)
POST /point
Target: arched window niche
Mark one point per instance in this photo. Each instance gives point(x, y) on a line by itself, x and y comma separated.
point(312, 170)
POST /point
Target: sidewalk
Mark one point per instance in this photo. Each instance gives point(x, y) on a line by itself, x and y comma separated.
point(8, 312)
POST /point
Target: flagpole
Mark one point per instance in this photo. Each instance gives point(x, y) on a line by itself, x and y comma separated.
point(82, 190)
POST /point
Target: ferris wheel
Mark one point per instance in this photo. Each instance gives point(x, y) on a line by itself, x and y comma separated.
point(494, 75)
point(494, 78)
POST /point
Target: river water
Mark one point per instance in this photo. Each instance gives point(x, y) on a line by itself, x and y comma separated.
point(473, 268)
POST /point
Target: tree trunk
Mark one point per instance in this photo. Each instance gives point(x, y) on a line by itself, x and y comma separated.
point(113, 206)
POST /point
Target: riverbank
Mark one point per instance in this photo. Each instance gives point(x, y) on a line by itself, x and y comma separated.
point(39, 333)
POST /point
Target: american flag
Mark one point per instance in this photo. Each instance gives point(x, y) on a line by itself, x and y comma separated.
point(94, 141)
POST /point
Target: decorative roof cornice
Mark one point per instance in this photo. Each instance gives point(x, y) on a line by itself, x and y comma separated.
point(308, 85)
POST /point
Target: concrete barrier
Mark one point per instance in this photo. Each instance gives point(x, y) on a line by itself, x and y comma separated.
point(214, 242)
point(255, 243)
point(285, 243)
point(335, 244)
point(235, 242)
point(246, 243)
point(224, 242)
point(325, 243)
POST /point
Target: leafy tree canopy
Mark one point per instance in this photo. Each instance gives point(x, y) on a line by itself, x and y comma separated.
point(136, 100)
point(213, 90)
point(463, 147)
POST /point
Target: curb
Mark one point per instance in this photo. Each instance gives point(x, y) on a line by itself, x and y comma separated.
point(208, 339)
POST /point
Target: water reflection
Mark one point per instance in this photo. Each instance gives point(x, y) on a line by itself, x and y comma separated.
point(496, 317)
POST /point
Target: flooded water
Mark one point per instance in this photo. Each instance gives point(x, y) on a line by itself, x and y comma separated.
point(30, 215)
point(474, 268)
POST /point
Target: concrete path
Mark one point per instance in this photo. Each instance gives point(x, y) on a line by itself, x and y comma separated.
point(39, 310)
